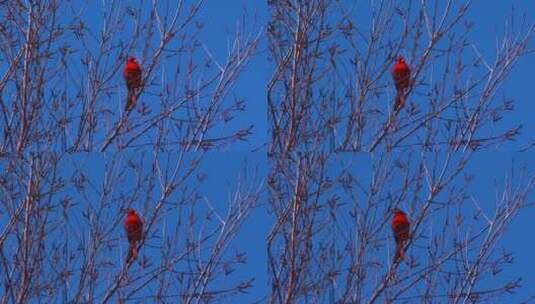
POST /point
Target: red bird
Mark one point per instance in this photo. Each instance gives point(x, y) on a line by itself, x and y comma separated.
point(401, 74)
point(134, 231)
point(401, 228)
point(132, 76)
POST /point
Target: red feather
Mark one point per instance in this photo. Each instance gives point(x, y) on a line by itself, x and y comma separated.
point(132, 76)
point(134, 232)
point(401, 229)
point(401, 74)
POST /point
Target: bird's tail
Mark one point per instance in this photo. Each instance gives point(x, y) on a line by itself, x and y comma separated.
point(400, 253)
point(400, 101)
point(132, 252)
point(130, 100)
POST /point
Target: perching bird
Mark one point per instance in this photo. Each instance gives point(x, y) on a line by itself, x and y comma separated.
point(134, 232)
point(401, 229)
point(401, 74)
point(132, 76)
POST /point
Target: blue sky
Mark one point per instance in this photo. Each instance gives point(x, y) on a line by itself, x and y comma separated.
point(489, 18)
point(222, 168)
point(221, 18)
point(490, 171)
point(487, 168)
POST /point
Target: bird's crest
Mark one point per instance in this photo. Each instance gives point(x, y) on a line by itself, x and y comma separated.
point(398, 211)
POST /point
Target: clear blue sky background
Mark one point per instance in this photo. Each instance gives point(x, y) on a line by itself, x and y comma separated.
point(220, 18)
point(487, 168)
point(489, 171)
point(489, 18)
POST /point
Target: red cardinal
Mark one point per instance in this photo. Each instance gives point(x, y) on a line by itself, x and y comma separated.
point(132, 76)
point(401, 228)
point(401, 74)
point(134, 231)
